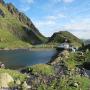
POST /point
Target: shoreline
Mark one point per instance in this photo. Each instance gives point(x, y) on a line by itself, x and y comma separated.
point(30, 49)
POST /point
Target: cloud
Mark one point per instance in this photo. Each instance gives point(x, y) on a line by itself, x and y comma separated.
point(55, 17)
point(27, 1)
point(59, 1)
point(49, 23)
point(82, 25)
point(50, 20)
point(68, 1)
point(55, 1)
point(83, 34)
point(24, 9)
point(59, 19)
point(25, 5)
point(81, 29)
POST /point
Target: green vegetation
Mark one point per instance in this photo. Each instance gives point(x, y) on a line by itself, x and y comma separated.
point(59, 37)
point(15, 74)
point(87, 55)
point(7, 40)
point(76, 59)
point(41, 69)
point(71, 81)
point(67, 84)
point(73, 60)
point(17, 31)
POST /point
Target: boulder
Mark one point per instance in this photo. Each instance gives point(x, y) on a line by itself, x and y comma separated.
point(5, 79)
point(18, 82)
point(25, 86)
point(75, 84)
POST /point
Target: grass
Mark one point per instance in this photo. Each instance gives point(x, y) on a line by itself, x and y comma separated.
point(8, 25)
point(15, 34)
point(42, 69)
point(59, 38)
point(7, 40)
point(71, 62)
point(67, 84)
point(83, 83)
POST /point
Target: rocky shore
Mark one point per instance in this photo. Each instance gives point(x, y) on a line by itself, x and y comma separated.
point(63, 72)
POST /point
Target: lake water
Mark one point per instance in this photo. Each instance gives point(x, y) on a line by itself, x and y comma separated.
point(21, 58)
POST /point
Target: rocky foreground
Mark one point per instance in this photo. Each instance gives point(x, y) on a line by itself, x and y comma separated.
point(64, 72)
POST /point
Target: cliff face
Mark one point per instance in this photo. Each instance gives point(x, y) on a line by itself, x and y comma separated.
point(59, 37)
point(18, 25)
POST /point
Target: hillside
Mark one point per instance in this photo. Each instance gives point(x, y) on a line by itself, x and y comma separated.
point(59, 37)
point(16, 29)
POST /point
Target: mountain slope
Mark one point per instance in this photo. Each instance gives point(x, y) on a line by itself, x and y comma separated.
point(59, 37)
point(19, 27)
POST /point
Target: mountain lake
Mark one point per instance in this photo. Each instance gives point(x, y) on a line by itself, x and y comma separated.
point(15, 59)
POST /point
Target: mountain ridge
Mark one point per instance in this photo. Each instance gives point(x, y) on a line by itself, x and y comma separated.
point(19, 25)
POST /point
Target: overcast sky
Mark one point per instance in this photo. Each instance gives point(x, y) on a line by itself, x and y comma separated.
point(51, 16)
